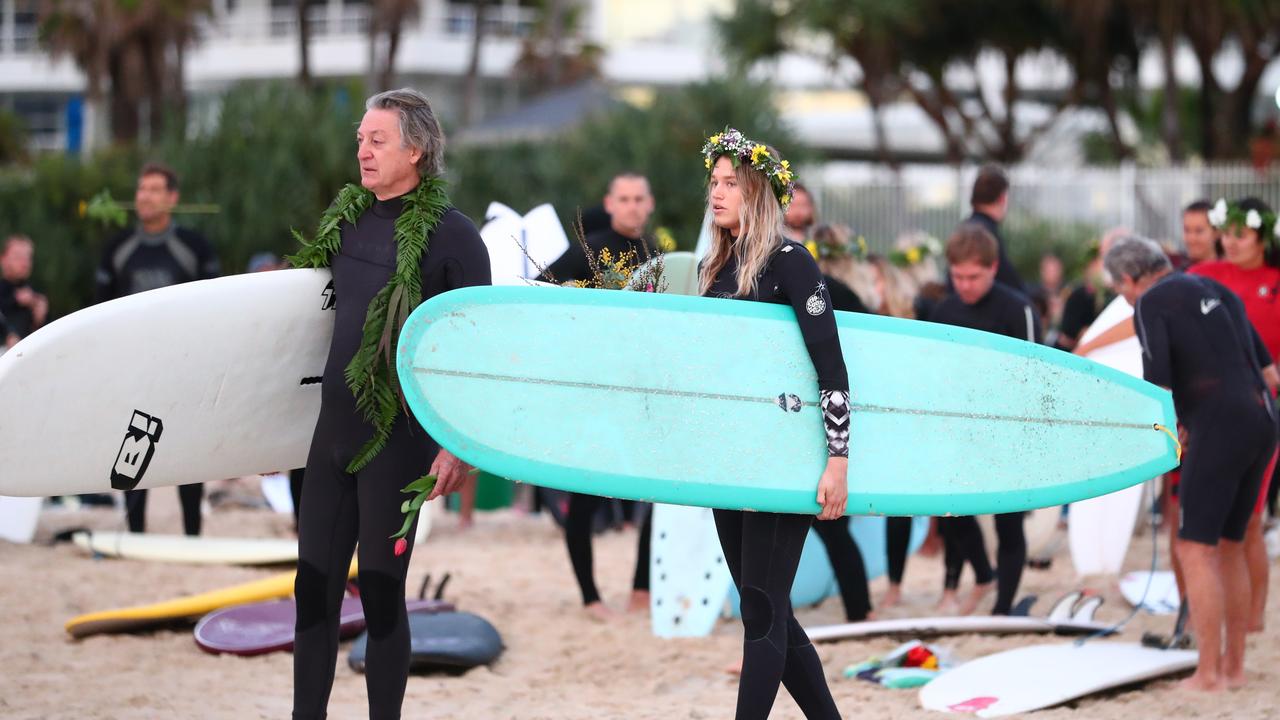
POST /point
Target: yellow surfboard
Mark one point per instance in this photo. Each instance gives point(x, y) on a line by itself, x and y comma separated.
point(142, 617)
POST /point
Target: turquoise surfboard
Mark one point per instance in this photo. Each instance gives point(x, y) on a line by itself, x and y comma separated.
point(713, 402)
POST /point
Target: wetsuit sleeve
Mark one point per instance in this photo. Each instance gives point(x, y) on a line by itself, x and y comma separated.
point(1260, 349)
point(572, 265)
point(467, 261)
point(801, 283)
point(209, 265)
point(104, 279)
point(1157, 366)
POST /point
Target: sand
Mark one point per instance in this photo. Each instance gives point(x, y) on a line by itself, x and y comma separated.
point(512, 569)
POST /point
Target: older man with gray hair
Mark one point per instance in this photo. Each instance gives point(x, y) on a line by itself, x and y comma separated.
point(392, 241)
point(1197, 341)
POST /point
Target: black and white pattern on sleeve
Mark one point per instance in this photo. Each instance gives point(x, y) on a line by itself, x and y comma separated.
point(835, 418)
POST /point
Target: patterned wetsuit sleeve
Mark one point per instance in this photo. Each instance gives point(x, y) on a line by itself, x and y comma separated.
point(1157, 367)
point(802, 284)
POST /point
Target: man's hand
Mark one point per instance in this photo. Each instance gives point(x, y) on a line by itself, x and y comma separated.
point(833, 488)
point(450, 474)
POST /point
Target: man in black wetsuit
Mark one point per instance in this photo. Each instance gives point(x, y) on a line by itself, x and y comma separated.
point(629, 204)
point(24, 310)
point(155, 254)
point(400, 150)
point(990, 202)
point(1198, 342)
point(980, 302)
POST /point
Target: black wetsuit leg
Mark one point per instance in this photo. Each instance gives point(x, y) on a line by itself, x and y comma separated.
point(191, 496)
point(762, 550)
point(964, 543)
point(1011, 557)
point(135, 509)
point(897, 541)
point(578, 526)
point(641, 580)
point(296, 477)
point(847, 563)
point(338, 510)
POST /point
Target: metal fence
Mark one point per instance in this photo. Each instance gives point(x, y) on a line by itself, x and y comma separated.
point(1055, 205)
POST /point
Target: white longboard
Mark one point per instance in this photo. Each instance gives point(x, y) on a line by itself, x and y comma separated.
point(1071, 616)
point(186, 549)
point(19, 517)
point(688, 579)
point(189, 383)
point(1099, 529)
point(519, 245)
point(1040, 676)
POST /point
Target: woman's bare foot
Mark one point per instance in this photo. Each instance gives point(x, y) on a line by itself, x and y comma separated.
point(948, 605)
point(599, 612)
point(639, 601)
point(1199, 683)
point(1235, 682)
point(975, 597)
point(891, 597)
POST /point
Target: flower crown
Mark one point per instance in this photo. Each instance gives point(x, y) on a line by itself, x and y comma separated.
point(924, 246)
point(1224, 214)
point(734, 145)
point(835, 245)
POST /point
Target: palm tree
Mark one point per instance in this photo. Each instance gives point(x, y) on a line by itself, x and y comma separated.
point(389, 17)
point(471, 83)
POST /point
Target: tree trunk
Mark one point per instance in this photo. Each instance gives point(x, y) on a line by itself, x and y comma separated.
point(388, 74)
point(178, 84)
point(555, 38)
point(123, 104)
point(471, 83)
point(304, 43)
point(152, 47)
point(1171, 124)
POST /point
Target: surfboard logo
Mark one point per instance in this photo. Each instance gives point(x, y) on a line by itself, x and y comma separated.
point(789, 402)
point(136, 450)
point(328, 298)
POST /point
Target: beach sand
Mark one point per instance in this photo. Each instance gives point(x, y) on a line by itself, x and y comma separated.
point(513, 570)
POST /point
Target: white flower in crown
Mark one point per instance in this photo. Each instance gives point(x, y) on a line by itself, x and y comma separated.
point(1218, 215)
point(1253, 220)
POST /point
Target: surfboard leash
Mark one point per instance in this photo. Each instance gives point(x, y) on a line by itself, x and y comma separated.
point(1176, 444)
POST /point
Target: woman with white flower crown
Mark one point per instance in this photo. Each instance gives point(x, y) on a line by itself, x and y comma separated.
point(749, 186)
point(1251, 269)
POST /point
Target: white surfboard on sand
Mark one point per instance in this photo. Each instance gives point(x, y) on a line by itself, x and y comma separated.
point(19, 517)
point(688, 579)
point(1100, 529)
point(189, 383)
point(1072, 615)
point(519, 245)
point(185, 549)
point(1041, 676)
point(1157, 592)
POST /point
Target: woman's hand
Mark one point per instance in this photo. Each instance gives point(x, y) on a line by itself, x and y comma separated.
point(833, 488)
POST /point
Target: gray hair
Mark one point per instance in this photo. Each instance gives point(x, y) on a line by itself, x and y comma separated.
point(1135, 257)
point(419, 128)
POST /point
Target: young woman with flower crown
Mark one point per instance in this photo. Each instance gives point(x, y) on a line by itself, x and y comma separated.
point(1251, 269)
point(749, 186)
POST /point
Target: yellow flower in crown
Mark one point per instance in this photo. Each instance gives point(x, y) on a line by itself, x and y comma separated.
point(708, 163)
point(731, 143)
point(862, 246)
point(812, 247)
point(913, 255)
point(715, 139)
point(785, 200)
point(757, 152)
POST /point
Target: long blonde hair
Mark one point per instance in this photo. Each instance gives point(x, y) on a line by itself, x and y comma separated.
point(899, 289)
point(759, 232)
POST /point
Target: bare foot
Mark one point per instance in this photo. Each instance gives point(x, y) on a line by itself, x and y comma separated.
point(948, 605)
point(1257, 624)
point(891, 597)
point(1199, 683)
point(599, 612)
point(975, 597)
point(735, 668)
point(1235, 681)
point(639, 601)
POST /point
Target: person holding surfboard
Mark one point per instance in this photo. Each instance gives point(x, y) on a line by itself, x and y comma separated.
point(155, 254)
point(979, 301)
point(1197, 341)
point(392, 241)
point(749, 187)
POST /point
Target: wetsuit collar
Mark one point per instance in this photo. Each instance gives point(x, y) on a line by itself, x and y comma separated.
point(159, 238)
point(389, 208)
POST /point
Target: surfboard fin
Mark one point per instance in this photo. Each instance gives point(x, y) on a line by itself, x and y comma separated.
point(1062, 610)
point(1023, 606)
point(1086, 609)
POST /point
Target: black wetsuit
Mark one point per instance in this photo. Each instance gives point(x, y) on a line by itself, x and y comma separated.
point(580, 519)
point(1081, 308)
point(1003, 311)
point(1197, 341)
point(136, 261)
point(339, 509)
point(15, 317)
point(1006, 273)
point(762, 549)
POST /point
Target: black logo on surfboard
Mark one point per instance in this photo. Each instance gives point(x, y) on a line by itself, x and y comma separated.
point(136, 450)
point(329, 299)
